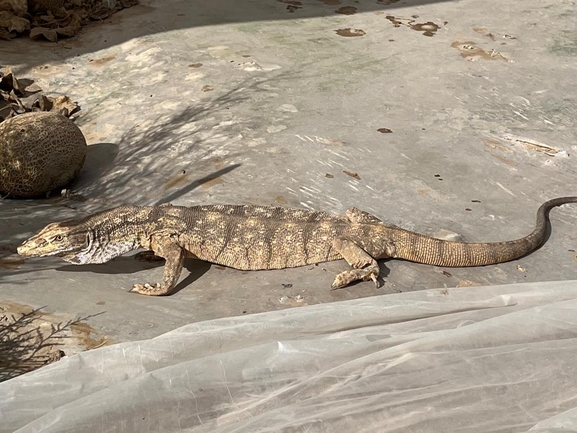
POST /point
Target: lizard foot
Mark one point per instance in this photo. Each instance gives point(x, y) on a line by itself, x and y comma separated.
point(148, 289)
point(347, 277)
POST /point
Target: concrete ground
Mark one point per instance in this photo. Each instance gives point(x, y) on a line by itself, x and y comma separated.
point(439, 116)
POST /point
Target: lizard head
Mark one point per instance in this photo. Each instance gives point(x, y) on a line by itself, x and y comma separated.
point(61, 239)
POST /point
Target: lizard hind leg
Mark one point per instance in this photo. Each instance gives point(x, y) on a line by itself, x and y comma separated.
point(364, 266)
point(174, 254)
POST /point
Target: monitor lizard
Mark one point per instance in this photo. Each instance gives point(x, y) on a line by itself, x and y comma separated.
point(249, 237)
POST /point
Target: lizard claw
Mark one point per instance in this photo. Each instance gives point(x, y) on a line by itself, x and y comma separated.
point(341, 280)
point(347, 277)
point(147, 289)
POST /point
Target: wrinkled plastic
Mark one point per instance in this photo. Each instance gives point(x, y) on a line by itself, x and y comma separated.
point(476, 359)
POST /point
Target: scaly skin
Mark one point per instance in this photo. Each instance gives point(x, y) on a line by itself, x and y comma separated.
point(250, 237)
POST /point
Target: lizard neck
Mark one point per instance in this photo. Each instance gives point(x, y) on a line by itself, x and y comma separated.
point(110, 234)
point(102, 249)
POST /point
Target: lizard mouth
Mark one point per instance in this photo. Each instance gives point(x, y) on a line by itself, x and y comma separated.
point(27, 252)
point(38, 248)
point(71, 258)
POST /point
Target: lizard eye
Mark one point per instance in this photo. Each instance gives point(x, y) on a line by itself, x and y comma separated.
point(58, 237)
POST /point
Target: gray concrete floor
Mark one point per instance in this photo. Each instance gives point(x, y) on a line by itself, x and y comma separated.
point(248, 102)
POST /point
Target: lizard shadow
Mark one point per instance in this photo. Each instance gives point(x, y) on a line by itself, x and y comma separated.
point(196, 268)
point(384, 273)
point(119, 265)
point(130, 265)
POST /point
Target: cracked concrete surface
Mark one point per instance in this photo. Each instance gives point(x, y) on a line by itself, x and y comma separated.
point(442, 117)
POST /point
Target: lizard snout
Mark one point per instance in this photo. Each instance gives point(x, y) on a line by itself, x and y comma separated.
point(22, 248)
point(26, 248)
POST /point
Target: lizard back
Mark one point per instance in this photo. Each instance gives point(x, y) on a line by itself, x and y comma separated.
point(250, 237)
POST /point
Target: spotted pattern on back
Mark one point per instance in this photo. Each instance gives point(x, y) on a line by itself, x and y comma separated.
point(259, 237)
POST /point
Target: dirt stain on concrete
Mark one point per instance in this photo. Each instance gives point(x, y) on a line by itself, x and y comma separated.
point(217, 161)
point(182, 179)
point(102, 61)
point(347, 10)
point(87, 336)
point(470, 51)
point(209, 182)
point(292, 5)
point(428, 28)
point(350, 33)
point(485, 32)
point(177, 180)
point(496, 146)
point(280, 200)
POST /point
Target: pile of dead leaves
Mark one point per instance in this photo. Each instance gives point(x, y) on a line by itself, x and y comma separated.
point(53, 19)
point(22, 96)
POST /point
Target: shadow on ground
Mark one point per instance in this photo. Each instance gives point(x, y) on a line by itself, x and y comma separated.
point(150, 17)
point(130, 265)
point(173, 155)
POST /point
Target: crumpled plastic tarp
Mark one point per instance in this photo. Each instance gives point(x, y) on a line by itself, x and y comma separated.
point(475, 359)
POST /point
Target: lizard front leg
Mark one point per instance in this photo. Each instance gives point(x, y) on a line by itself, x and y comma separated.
point(165, 247)
point(365, 266)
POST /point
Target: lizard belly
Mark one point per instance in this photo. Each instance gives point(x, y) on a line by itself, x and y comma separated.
point(253, 252)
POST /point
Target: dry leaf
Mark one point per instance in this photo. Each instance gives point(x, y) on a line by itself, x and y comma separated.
point(347, 10)
point(6, 35)
point(64, 106)
point(19, 7)
point(21, 96)
point(13, 23)
point(30, 86)
point(5, 111)
point(6, 5)
point(49, 34)
point(350, 33)
point(352, 174)
point(48, 19)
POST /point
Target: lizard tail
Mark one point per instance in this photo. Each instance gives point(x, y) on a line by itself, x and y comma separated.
point(431, 251)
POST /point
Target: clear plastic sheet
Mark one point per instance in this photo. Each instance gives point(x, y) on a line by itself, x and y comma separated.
point(476, 359)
